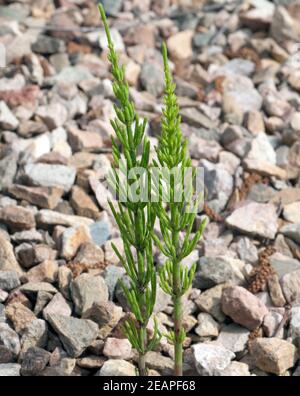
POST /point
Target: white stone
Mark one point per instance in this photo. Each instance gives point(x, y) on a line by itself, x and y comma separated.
point(207, 326)
point(255, 219)
point(7, 118)
point(116, 368)
point(210, 358)
point(291, 212)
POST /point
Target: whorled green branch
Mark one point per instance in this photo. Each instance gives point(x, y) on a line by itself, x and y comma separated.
point(178, 216)
point(131, 149)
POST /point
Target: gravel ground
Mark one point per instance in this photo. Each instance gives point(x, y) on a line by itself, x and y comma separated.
point(237, 69)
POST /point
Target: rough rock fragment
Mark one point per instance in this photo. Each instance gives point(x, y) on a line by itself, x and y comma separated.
point(273, 355)
point(75, 334)
point(243, 307)
point(255, 219)
point(210, 358)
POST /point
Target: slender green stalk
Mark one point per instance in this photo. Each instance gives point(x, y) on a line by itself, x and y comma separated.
point(135, 218)
point(179, 215)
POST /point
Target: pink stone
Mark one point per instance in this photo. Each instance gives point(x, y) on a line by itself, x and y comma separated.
point(117, 348)
point(243, 307)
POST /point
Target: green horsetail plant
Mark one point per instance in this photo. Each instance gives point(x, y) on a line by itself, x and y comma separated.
point(179, 215)
point(135, 219)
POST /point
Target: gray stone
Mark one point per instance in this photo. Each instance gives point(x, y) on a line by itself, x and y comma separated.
point(2, 313)
point(10, 370)
point(261, 149)
point(210, 302)
point(55, 372)
point(47, 45)
point(6, 355)
point(261, 193)
point(202, 148)
point(238, 66)
point(86, 290)
point(230, 161)
point(151, 78)
point(9, 339)
point(210, 358)
point(239, 97)
point(255, 219)
point(185, 89)
point(219, 184)
point(207, 326)
point(75, 334)
point(3, 296)
point(231, 134)
point(26, 236)
point(8, 169)
point(284, 264)
point(9, 280)
point(34, 287)
point(156, 361)
point(297, 372)
point(42, 299)
point(111, 275)
point(162, 298)
point(202, 39)
point(100, 231)
point(112, 7)
point(58, 305)
point(292, 231)
point(46, 175)
point(270, 324)
point(283, 26)
point(15, 12)
point(35, 360)
point(294, 325)
point(194, 117)
point(106, 315)
point(215, 270)
point(290, 284)
point(35, 68)
point(246, 250)
point(70, 75)
point(234, 337)
point(34, 335)
point(101, 192)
